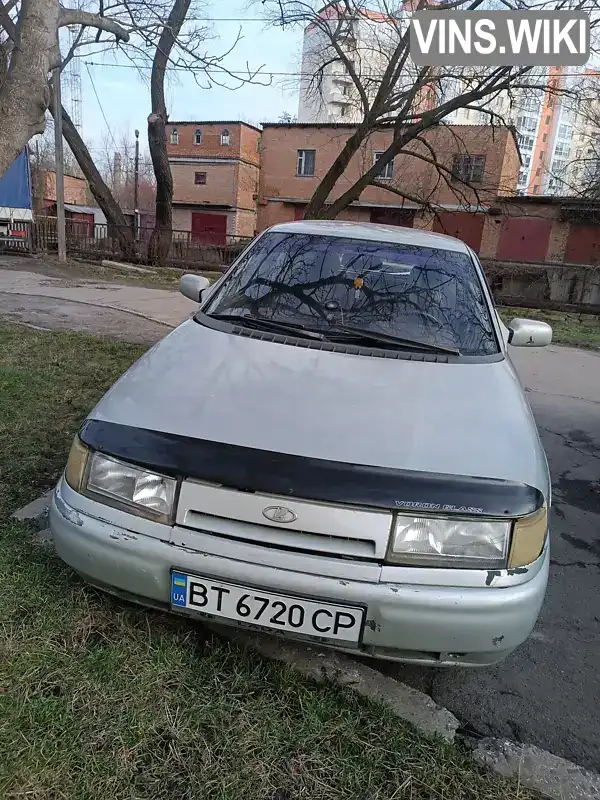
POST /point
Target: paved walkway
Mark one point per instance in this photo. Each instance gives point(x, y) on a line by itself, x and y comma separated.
point(158, 305)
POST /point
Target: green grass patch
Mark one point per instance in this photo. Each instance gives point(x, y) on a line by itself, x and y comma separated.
point(99, 699)
point(576, 330)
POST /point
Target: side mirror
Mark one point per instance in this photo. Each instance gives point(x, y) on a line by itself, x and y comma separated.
point(192, 286)
point(529, 333)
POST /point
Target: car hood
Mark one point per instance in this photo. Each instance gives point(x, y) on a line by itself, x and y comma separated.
point(461, 418)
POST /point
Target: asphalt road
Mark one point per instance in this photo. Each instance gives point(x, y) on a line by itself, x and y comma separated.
point(547, 692)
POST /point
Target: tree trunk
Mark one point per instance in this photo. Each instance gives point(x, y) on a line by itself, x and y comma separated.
point(24, 96)
point(160, 242)
point(316, 208)
point(102, 194)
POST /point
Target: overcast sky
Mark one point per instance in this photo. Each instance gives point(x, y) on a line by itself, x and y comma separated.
point(125, 97)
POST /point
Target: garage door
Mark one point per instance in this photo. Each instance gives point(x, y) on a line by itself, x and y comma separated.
point(524, 239)
point(209, 228)
point(462, 225)
point(583, 244)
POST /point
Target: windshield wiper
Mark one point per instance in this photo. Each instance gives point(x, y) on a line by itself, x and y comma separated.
point(267, 324)
point(393, 341)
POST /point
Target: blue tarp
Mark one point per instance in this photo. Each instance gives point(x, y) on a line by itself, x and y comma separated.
point(15, 185)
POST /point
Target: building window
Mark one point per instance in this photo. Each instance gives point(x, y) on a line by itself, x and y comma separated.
point(174, 136)
point(200, 178)
point(527, 124)
point(562, 149)
point(525, 142)
point(545, 137)
point(565, 131)
point(343, 110)
point(198, 137)
point(388, 171)
point(468, 169)
point(548, 120)
point(306, 162)
point(225, 136)
point(536, 189)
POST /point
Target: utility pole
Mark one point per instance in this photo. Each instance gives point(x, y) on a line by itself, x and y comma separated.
point(60, 169)
point(136, 185)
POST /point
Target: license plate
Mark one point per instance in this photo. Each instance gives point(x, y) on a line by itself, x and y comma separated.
point(277, 611)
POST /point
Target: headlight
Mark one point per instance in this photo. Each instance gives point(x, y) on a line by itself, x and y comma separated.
point(116, 483)
point(475, 543)
point(528, 539)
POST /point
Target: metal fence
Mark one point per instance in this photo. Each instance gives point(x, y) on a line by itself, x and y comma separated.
point(15, 237)
point(87, 240)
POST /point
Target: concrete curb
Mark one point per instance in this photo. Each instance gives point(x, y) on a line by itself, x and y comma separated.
point(124, 266)
point(326, 665)
point(534, 768)
point(537, 769)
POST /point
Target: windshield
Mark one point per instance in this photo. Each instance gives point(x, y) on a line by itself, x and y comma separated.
point(319, 282)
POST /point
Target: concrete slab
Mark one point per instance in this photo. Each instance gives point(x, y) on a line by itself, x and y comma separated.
point(35, 510)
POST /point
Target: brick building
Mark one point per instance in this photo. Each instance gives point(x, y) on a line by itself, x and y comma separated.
point(215, 168)
point(44, 190)
point(295, 157)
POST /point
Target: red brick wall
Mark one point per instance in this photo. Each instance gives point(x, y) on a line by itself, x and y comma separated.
point(279, 161)
point(221, 187)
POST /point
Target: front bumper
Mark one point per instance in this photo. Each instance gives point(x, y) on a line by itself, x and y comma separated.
point(410, 616)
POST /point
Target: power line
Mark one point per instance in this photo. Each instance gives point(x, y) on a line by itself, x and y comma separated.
point(268, 73)
point(100, 106)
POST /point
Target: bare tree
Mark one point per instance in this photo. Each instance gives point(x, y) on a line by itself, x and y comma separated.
point(159, 32)
point(160, 244)
point(30, 51)
point(368, 44)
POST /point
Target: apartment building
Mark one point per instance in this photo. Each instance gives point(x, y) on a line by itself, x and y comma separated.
point(368, 38)
point(215, 167)
point(557, 140)
point(295, 157)
point(555, 127)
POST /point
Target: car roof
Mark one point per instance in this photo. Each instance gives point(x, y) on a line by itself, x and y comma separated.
point(373, 232)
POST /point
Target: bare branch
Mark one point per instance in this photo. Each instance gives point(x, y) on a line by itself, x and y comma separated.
point(71, 16)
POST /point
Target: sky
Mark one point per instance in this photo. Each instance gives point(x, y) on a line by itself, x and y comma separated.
point(123, 97)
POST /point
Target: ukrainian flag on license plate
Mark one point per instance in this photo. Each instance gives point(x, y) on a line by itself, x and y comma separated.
point(178, 589)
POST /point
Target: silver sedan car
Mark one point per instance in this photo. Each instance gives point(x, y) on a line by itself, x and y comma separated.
point(335, 448)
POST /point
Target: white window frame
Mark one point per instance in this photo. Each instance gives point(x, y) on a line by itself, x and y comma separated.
point(387, 173)
point(174, 136)
point(301, 163)
point(225, 137)
point(198, 136)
